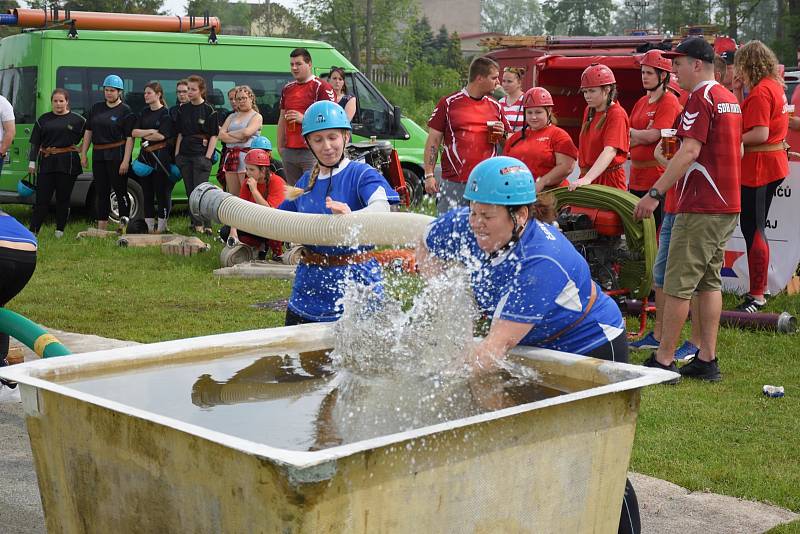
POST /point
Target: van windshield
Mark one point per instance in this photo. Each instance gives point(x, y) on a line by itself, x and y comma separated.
point(18, 85)
point(85, 87)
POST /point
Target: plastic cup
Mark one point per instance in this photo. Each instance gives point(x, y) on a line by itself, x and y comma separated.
point(790, 110)
point(669, 143)
point(494, 135)
point(291, 126)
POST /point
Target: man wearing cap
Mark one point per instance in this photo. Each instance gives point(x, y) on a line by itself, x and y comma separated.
point(707, 171)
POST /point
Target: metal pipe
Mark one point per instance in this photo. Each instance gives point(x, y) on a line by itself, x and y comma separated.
point(93, 20)
point(784, 322)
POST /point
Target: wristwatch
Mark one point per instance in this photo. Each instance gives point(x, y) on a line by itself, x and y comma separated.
point(430, 176)
point(656, 194)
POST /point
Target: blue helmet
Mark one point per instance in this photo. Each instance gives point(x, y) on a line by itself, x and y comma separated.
point(502, 180)
point(25, 188)
point(325, 115)
point(261, 142)
point(112, 80)
point(174, 173)
point(141, 169)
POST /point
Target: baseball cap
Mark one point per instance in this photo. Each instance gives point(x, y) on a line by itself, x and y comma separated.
point(695, 47)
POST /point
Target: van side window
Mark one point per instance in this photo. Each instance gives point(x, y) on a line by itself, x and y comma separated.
point(266, 87)
point(18, 85)
point(373, 115)
point(85, 85)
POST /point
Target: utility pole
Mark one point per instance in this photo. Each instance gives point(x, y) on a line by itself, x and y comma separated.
point(637, 7)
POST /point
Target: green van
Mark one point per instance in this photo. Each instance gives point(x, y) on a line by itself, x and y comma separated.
point(32, 64)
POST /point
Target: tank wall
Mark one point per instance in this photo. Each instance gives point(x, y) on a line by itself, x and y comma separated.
point(557, 469)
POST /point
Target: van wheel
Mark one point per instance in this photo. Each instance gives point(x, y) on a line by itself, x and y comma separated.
point(415, 186)
point(135, 199)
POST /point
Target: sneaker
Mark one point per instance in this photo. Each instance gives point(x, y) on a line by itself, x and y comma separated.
point(697, 368)
point(687, 350)
point(647, 342)
point(655, 364)
point(59, 234)
point(750, 305)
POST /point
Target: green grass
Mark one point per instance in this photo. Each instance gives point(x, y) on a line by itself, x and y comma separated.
point(93, 286)
point(726, 438)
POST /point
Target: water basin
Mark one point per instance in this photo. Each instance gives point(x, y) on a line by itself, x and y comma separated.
point(238, 433)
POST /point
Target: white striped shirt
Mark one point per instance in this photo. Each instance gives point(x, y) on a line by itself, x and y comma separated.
point(514, 113)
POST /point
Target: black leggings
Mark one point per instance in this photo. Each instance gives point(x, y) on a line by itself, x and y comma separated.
point(293, 319)
point(615, 350)
point(106, 176)
point(157, 188)
point(195, 170)
point(753, 222)
point(46, 184)
point(17, 267)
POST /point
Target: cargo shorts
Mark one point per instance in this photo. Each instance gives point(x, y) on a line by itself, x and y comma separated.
point(696, 251)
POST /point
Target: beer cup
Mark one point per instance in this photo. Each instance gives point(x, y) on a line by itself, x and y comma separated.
point(494, 136)
point(669, 143)
point(790, 110)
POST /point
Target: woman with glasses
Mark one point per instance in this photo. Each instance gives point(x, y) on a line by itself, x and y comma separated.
point(238, 131)
point(512, 102)
point(348, 102)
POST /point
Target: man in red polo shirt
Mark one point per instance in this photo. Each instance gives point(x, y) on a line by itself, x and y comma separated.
point(707, 170)
point(296, 96)
point(463, 121)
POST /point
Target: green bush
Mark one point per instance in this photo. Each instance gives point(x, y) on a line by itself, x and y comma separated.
point(427, 84)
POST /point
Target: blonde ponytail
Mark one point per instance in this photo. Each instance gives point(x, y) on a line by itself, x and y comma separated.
point(293, 193)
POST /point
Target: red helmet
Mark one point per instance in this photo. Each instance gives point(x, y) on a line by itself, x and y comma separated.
point(655, 59)
point(537, 97)
point(597, 75)
point(257, 157)
point(724, 44)
point(675, 88)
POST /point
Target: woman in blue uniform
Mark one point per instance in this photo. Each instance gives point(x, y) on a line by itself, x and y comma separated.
point(527, 278)
point(108, 128)
point(335, 185)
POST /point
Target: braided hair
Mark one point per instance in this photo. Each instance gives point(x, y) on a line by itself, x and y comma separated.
point(612, 96)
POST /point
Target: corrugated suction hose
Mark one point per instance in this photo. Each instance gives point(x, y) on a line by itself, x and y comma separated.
point(371, 228)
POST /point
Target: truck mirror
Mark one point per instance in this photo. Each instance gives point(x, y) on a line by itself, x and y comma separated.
point(397, 124)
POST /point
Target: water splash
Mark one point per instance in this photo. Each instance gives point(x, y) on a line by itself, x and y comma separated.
point(401, 369)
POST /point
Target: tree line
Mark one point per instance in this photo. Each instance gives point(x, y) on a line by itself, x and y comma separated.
point(393, 32)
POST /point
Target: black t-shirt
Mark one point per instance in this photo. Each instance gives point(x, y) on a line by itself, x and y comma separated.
point(60, 131)
point(193, 120)
point(160, 120)
point(109, 125)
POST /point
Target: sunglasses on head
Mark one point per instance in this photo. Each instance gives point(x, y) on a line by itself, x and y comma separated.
point(519, 71)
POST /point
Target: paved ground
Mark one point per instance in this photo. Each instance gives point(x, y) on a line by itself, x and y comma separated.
point(665, 507)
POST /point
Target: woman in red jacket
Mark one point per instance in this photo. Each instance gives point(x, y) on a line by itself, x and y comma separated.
point(765, 163)
point(546, 149)
point(604, 140)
